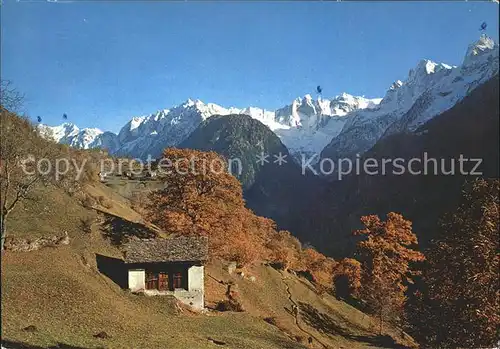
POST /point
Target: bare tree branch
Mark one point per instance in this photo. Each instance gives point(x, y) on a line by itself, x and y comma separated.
point(10, 98)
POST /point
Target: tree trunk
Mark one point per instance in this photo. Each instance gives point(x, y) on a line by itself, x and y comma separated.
point(3, 230)
point(381, 321)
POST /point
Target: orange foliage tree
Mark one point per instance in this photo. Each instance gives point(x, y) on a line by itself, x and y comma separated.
point(460, 301)
point(386, 255)
point(195, 200)
point(285, 250)
point(319, 267)
point(347, 277)
point(202, 198)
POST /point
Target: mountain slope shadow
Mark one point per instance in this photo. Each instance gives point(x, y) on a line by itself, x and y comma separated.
point(272, 188)
point(119, 230)
point(113, 268)
point(328, 325)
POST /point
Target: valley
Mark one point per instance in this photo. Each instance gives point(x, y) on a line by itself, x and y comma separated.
point(343, 193)
point(308, 132)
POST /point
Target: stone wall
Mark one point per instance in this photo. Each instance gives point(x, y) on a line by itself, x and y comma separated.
point(193, 296)
point(27, 245)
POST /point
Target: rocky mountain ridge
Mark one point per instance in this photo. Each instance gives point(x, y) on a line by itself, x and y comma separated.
point(339, 127)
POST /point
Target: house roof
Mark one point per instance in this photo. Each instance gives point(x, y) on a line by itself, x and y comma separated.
point(175, 249)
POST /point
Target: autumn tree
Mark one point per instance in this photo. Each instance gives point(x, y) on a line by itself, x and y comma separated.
point(386, 254)
point(319, 267)
point(244, 239)
point(459, 301)
point(202, 198)
point(196, 199)
point(285, 250)
point(347, 277)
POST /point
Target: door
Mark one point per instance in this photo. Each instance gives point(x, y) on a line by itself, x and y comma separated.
point(163, 281)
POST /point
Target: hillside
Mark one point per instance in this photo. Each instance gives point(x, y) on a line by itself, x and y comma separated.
point(238, 137)
point(430, 89)
point(469, 129)
point(65, 294)
point(273, 189)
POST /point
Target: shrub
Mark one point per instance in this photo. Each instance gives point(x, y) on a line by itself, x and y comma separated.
point(347, 277)
point(299, 339)
point(271, 320)
point(319, 267)
point(88, 201)
point(104, 202)
point(229, 305)
point(86, 224)
point(284, 251)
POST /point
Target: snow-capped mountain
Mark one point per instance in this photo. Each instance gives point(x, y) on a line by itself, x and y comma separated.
point(86, 138)
point(149, 135)
point(430, 89)
point(339, 127)
point(305, 126)
point(61, 134)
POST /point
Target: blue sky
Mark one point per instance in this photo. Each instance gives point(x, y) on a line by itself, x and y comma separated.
point(102, 63)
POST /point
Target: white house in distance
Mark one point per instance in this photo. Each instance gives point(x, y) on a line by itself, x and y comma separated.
point(171, 266)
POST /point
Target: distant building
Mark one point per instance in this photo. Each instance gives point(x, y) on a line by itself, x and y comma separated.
point(102, 176)
point(150, 174)
point(172, 266)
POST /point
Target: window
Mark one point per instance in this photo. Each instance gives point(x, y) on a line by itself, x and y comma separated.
point(177, 280)
point(162, 281)
point(151, 280)
point(156, 281)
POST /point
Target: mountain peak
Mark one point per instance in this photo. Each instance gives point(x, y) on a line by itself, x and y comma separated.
point(136, 122)
point(343, 97)
point(68, 125)
point(484, 44)
point(188, 103)
point(192, 102)
point(479, 49)
point(427, 66)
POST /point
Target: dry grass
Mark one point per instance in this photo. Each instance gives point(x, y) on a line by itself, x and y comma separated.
point(69, 302)
point(61, 292)
point(49, 211)
point(335, 323)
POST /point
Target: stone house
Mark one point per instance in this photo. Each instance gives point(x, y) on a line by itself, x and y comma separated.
point(172, 266)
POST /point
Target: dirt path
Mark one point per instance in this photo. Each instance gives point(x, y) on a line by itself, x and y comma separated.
point(296, 314)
